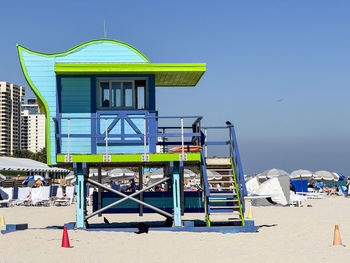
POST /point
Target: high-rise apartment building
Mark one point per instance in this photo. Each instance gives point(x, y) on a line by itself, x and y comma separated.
point(33, 127)
point(11, 97)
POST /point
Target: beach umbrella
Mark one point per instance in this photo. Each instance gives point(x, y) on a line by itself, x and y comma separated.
point(190, 174)
point(272, 173)
point(94, 172)
point(121, 173)
point(159, 173)
point(213, 175)
point(326, 176)
point(70, 176)
point(301, 174)
point(336, 176)
point(32, 179)
point(340, 176)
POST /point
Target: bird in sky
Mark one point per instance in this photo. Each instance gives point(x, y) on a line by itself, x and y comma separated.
point(228, 123)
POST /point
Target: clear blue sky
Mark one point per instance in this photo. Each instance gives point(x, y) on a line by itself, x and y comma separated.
point(279, 70)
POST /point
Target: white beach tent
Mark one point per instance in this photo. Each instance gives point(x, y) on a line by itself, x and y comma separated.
point(278, 188)
point(252, 186)
point(302, 174)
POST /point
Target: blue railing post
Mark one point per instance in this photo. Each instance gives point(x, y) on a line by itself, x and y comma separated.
point(206, 188)
point(239, 164)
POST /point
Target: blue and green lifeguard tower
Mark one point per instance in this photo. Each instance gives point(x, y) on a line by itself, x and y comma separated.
point(99, 99)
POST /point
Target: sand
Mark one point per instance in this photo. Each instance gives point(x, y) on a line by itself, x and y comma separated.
point(287, 234)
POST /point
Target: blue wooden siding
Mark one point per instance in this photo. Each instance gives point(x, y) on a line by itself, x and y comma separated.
point(121, 148)
point(40, 69)
point(101, 52)
point(75, 95)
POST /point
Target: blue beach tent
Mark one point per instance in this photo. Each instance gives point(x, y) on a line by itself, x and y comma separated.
point(300, 185)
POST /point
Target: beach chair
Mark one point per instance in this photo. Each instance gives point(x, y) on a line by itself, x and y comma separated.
point(70, 190)
point(53, 190)
point(59, 193)
point(6, 196)
point(23, 195)
point(88, 198)
point(45, 195)
point(36, 196)
point(68, 199)
point(296, 200)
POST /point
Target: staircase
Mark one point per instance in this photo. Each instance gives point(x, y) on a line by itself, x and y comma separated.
point(223, 180)
point(223, 202)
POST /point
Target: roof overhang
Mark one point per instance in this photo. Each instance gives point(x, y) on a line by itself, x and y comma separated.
point(166, 75)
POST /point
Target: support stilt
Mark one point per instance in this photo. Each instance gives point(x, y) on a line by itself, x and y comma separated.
point(177, 195)
point(79, 172)
point(99, 199)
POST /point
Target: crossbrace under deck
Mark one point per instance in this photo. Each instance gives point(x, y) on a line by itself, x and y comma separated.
point(221, 196)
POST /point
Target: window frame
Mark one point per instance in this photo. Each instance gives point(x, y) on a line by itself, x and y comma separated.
point(123, 107)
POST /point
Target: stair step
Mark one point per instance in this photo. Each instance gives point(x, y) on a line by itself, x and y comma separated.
point(226, 220)
point(220, 169)
point(222, 195)
point(227, 182)
point(222, 187)
point(221, 175)
point(223, 207)
point(214, 210)
point(222, 200)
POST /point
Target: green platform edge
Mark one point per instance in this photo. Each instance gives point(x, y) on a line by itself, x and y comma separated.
point(127, 158)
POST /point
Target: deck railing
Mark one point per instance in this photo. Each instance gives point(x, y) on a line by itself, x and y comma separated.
point(145, 134)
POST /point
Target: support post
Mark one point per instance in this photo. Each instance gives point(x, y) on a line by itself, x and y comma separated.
point(182, 192)
point(79, 172)
point(177, 195)
point(140, 188)
point(99, 199)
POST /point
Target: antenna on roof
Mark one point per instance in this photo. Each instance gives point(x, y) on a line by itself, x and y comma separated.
point(104, 29)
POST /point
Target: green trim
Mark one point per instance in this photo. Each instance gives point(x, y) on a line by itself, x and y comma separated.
point(237, 192)
point(132, 68)
point(127, 158)
point(83, 45)
point(38, 95)
point(207, 219)
point(166, 74)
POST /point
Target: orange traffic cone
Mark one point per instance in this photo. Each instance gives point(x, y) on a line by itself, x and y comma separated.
point(65, 239)
point(337, 239)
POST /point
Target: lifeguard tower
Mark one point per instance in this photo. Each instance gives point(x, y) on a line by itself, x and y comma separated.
point(99, 99)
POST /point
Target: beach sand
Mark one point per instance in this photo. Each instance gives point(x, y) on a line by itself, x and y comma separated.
point(287, 234)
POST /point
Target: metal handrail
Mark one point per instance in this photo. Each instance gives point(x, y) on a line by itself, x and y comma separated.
point(133, 117)
point(239, 163)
